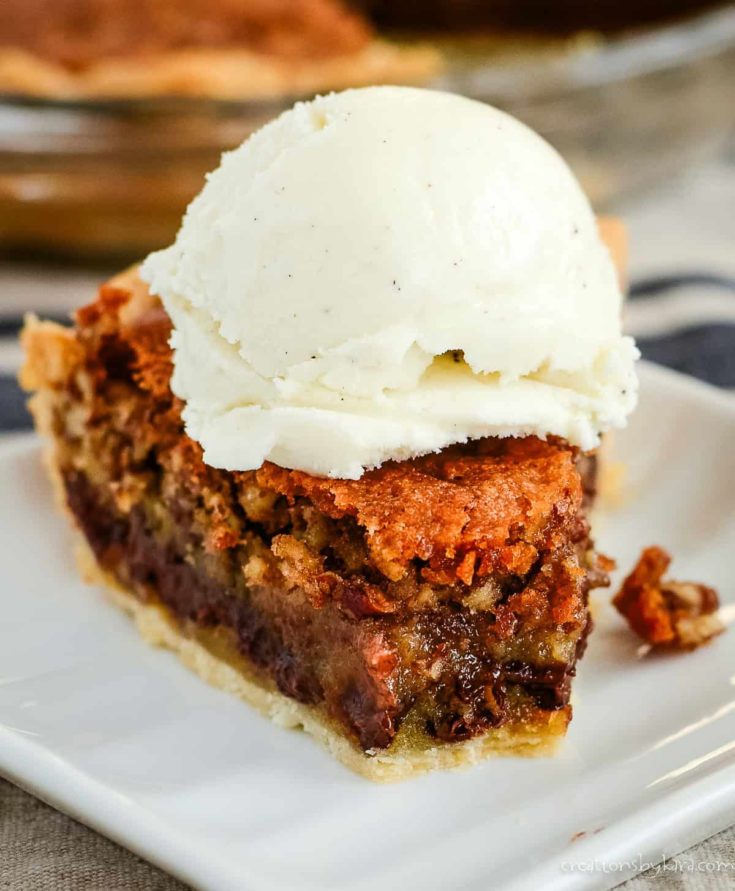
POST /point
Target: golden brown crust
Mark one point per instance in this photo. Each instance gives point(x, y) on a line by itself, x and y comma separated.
point(51, 352)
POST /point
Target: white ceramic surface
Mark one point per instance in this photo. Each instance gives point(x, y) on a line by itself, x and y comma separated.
point(127, 740)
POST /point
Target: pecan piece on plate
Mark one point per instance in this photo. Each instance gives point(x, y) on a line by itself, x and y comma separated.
point(667, 614)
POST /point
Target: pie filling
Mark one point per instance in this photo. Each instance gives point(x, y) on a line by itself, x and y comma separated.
point(439, 619)
point(444, 664)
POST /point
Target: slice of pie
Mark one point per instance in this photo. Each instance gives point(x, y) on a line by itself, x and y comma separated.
point(427, 615)
point(227, 49)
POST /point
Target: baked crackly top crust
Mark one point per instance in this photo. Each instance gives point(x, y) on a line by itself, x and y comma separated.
point(472, 510)
point(489, 502)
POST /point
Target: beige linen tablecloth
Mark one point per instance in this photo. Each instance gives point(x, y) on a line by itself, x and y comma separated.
point(689, 226)
point(42, 850)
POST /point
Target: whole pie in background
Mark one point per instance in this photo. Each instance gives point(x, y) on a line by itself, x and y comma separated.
point(221, 48)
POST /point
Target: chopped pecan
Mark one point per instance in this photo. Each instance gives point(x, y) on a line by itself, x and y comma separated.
point(667, 614)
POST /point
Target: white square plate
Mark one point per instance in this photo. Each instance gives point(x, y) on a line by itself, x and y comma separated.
point(127, 740)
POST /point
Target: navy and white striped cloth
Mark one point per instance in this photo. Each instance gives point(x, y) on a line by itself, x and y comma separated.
point(685, 321)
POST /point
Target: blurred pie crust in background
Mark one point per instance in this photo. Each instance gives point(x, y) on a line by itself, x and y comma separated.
point(226, 49)
point(112, 111)
point(539, 16)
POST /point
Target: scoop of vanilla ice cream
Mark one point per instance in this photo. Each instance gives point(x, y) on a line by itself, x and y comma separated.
point(382, 272)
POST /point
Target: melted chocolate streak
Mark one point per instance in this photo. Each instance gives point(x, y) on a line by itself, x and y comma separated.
point(125, 546)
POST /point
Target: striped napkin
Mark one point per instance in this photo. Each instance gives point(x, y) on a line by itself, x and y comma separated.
point(687, 322)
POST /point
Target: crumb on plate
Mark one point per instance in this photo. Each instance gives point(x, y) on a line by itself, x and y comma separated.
point(665, 613)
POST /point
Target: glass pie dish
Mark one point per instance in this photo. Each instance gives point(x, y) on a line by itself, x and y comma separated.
point(110, 178)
